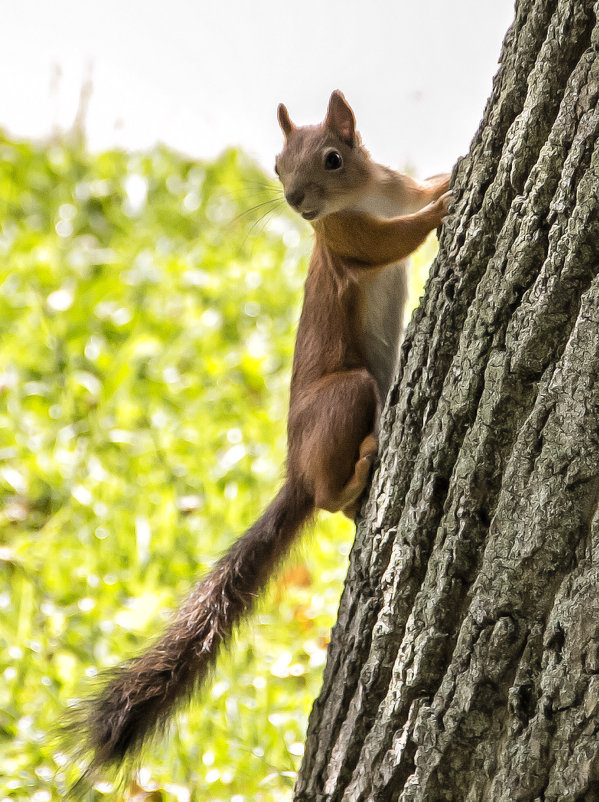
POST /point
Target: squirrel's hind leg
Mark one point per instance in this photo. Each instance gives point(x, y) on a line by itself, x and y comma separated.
point(351, 494)
point(332, 441)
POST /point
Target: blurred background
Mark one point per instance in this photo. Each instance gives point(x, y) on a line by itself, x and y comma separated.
point(150, 286)
point(201, 76)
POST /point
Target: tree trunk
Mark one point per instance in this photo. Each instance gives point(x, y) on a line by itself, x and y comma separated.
point(465, 662)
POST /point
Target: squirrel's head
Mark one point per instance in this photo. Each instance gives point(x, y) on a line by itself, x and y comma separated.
point(323, 168)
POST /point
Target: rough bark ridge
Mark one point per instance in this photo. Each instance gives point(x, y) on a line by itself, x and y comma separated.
point(465, 662)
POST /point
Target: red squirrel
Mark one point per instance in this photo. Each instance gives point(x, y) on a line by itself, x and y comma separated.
point(366, 219)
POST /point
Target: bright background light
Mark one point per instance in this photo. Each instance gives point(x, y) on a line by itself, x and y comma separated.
point(200, 76)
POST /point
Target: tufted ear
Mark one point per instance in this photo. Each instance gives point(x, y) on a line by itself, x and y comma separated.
point(340, 118)
point(283, 117)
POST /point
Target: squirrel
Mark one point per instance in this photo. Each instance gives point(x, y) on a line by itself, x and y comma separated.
point(367, 219)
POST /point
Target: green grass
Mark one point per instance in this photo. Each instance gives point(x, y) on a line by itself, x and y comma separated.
point(146, 331)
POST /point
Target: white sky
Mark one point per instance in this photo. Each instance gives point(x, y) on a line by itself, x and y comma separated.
point(200, 76)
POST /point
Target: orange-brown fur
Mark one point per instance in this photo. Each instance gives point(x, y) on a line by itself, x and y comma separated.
point(337, 389)
point(335, 400)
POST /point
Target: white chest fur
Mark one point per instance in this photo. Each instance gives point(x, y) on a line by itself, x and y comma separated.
point(384, 300)
point(380, 204)
point(385, 294)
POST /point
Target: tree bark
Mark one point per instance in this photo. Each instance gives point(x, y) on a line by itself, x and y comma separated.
point(464, 666)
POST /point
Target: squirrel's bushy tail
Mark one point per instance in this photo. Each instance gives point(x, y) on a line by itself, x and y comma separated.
point(143, 692)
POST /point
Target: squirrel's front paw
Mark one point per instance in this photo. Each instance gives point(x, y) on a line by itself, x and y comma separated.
point(441, 206)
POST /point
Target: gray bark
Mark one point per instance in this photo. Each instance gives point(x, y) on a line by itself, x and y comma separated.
point(465, 662)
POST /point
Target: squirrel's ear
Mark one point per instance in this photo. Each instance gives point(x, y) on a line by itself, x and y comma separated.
point(340, 118)
point(283, 117)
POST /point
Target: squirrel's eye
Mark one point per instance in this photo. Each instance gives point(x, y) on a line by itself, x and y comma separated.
point(333, 160)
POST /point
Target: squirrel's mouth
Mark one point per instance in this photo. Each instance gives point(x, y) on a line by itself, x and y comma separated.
point(309, 215)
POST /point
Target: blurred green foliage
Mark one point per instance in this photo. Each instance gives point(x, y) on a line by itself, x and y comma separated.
point(147, 318)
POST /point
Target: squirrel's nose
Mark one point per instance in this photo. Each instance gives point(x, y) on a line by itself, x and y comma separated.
point(295, 198)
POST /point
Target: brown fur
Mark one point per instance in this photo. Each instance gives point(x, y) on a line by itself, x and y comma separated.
point(142, 693)
point(334, 406)
point(335, 401)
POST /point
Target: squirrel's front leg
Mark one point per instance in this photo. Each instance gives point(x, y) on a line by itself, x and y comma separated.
point(418, 194)
point(374, 242)
point(435, 186)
